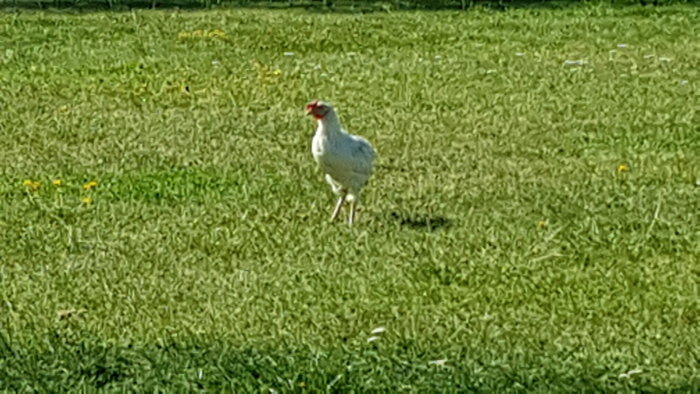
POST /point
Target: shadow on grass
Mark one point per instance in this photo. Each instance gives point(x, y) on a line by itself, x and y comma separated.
point(338, 6)
point(419, 222)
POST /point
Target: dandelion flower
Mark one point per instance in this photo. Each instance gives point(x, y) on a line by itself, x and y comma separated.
point(623, 168)
point(34, 185)
point(542, 224)
point(216, 33)
point(86, 200)
point(57, 182)
point(90, 185)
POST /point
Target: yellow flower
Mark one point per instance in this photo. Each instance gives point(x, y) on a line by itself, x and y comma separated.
point(57, 182)
point(217, 33)
point(90, 185)
point(623, 168)
point(277, 72)
point(542, 224)
point(34, 185)
point(86, 200)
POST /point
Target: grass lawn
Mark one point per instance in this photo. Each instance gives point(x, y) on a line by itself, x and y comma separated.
point(533, 222)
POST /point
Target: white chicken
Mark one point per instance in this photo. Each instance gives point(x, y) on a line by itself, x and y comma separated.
point(346, 159)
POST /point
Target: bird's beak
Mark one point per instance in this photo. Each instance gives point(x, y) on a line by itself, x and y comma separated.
point(310, 107)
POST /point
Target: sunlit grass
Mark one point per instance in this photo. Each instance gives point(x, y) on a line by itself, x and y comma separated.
point(532, 223)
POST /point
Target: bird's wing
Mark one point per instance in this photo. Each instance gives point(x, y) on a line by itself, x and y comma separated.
point(354, 155)
point(363, 155)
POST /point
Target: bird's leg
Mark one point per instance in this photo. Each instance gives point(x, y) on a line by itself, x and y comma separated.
point(351, 220)
point(339, 205)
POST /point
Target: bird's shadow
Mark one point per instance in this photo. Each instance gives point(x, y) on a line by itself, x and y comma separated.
point(420, 222)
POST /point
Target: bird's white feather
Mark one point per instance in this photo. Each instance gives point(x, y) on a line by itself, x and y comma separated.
point(346, 159)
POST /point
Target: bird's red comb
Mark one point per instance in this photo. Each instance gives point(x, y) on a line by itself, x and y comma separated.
point(310, 107)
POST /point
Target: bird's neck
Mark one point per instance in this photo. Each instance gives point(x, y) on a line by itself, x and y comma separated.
point(329, 125)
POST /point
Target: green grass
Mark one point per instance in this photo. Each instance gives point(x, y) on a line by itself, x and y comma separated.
point(499, 232)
